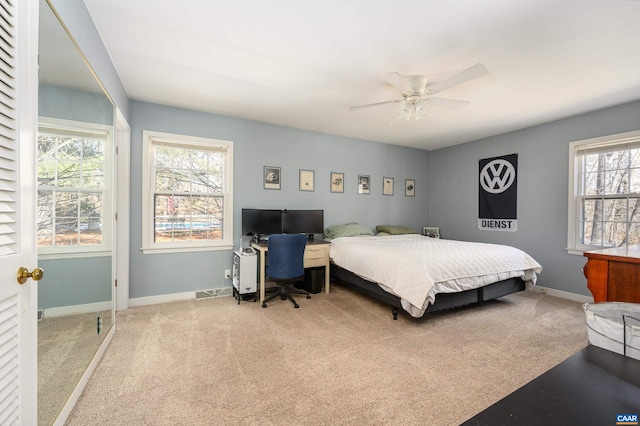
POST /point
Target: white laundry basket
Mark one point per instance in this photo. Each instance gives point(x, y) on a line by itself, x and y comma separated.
point(614, 326)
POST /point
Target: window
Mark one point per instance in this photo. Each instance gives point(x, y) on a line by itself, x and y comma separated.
point(604, 192)
point(188, 204)
point(74, 188)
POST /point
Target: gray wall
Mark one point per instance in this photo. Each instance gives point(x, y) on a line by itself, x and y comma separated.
point(542, 189)
point(257, 145)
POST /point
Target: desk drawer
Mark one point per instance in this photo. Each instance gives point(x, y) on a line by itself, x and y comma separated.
point(315, 256)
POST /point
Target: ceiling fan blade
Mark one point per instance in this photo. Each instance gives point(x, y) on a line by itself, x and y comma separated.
point(355, 108)
point(447, 103)
point(407, 83)
point(396, 80)
point(475, 71)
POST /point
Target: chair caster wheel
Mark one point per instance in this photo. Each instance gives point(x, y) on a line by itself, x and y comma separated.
point(264, 305)
point(296, 306)
point(308, 297)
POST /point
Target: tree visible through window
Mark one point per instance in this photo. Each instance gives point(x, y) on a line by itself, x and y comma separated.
point(188, 195)
point(72, 187)
point(609, 196)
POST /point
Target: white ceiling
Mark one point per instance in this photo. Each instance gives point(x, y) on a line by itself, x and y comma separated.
point(302, 64)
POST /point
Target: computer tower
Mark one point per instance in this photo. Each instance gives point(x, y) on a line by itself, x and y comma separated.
point(245, 272)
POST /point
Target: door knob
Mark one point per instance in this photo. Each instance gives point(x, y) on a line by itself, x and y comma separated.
point(24, 274)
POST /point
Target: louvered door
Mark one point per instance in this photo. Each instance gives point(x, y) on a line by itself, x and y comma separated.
point(18, 117)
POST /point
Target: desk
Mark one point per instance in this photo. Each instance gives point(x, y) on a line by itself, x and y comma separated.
point(316, 253)
point(590, 388)
point(613, 274)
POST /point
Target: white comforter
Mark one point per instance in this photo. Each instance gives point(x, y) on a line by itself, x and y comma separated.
point(415, 268)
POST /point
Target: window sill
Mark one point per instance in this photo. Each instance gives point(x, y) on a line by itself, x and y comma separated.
point(74, 255)
point(164, 250)
point(577, 252)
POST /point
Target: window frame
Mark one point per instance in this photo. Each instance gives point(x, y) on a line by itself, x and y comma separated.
point(94, 250)
point(574, 246)
point(150, 139)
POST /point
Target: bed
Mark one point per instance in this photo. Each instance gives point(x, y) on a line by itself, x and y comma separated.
point(418, 274)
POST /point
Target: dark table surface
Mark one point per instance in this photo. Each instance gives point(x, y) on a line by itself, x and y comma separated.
point(592, 387)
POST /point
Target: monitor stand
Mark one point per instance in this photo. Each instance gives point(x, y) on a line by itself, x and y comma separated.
point(310, 237)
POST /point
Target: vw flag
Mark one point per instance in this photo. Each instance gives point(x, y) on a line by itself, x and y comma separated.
point(498, 188)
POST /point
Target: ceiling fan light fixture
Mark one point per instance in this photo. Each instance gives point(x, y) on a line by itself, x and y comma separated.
point(406, 111)
point(421, 109)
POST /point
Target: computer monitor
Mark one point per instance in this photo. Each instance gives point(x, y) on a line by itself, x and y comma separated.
point(308, 222)
point(260, 222)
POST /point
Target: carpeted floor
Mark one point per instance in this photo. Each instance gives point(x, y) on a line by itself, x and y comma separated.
point(340, 359)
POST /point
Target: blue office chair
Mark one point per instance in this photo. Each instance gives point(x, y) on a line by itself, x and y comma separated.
point(285, 265)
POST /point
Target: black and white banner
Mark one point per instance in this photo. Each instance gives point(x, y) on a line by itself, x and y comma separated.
point(498, 188)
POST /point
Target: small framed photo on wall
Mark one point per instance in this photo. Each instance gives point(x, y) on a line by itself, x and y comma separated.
point(337, 182)
point(410, 187)
point(387, 186)
point(271, 177)
point(364, 184)
point(307, 178)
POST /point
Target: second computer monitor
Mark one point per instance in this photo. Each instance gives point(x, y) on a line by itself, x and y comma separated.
point(308, 222)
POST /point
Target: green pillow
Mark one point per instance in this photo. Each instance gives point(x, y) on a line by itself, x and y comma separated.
point(395, 229)
point(346, 230)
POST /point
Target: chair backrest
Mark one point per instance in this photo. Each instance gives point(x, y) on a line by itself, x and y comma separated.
point(286, 256)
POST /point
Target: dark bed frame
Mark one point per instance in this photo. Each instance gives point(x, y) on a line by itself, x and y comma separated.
point(443, 301)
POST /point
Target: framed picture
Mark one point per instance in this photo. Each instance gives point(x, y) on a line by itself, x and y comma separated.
point(387, 186)
point(271, 178)
point(337, 182)
point(410, 187)
point(306, 180)
point(431, 231)
point(364, 184)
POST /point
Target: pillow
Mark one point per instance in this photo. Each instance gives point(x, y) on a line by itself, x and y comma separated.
point(346, 230)
point(395, 229)
point(382, 234)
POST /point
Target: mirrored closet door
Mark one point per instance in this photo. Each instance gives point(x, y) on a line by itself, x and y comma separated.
point(75, 215)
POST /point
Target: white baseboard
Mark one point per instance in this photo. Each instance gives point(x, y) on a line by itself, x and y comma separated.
point(78, 309)
point(563, 294)
point(174, 297)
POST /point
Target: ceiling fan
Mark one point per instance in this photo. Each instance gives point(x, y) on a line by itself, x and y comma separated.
point(417, 92)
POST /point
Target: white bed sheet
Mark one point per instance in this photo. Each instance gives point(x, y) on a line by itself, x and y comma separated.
point(415, 268)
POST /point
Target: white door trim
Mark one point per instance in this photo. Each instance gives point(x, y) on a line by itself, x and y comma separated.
point(123, 237)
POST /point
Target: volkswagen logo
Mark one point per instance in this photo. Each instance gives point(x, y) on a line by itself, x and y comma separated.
point(497, 176)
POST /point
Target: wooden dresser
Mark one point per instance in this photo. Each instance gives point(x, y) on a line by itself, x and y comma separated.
point(613, 275)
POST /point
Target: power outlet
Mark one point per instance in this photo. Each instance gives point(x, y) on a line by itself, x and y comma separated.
point(227, 274)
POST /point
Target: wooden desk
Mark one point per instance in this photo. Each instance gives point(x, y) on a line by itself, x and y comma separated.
point(590, 388)
point(613, 275)
point(316, 253)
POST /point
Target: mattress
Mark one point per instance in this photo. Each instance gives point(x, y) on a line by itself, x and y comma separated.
point(416, 268)
point(614, 326)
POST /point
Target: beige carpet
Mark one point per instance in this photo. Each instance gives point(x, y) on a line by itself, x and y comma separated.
point(338, 360)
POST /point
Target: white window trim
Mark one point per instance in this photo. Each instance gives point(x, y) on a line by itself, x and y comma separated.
point(148, 245)
point(573, 228)
point(98, 250)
